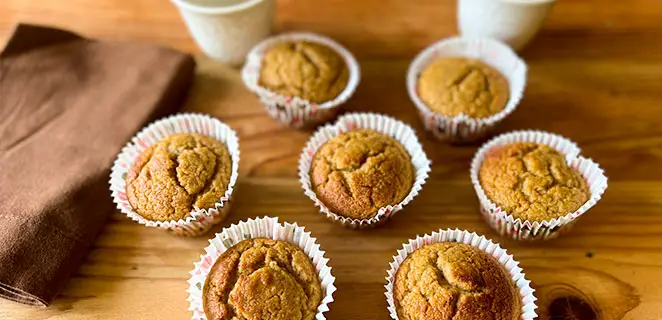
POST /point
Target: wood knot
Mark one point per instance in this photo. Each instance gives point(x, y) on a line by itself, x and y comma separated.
point(570, 308)
point(581, 294)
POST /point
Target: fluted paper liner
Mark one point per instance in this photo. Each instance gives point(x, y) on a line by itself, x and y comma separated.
point(463, 128)
point(470, 238)
point(519, 229)
point(297, 112)
point(265, 227)
point(199, 220)
point(400, 131)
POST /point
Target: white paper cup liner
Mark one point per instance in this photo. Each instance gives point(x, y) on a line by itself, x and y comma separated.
point(470, 238)
point(380, 123)
point(297, 112)
point(519, 229)
point(259, 228)
point(463, 128)
point(199, 220)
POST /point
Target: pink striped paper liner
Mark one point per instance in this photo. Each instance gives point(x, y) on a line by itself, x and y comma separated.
point(380, 123)
point(470, 238)
point(519, 229)
point(297, 112)
point(463, 128)
point(200, 220)
point(265, 227)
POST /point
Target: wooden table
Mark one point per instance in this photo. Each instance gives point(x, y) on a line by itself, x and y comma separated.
point(595, 77)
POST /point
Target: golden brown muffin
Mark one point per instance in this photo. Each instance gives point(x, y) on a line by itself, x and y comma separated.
point(356, 173)
point(450, 86)
point(177, 173)
point(456, 281)
point(532, 181)
point(262, 279)
point(306, 70)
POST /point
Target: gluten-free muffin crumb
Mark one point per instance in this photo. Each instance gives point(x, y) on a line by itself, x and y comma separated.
point(307, 70)
point(532, 181)
point(262, 279)
point(180, 172)
point(357, 172)
point(451, 280)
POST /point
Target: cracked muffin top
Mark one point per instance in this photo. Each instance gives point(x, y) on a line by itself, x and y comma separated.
point(180, 172)
point(451, 86)
point(262, 279)
point(310, 71)
point(532, 181)
point(456, 281)
point(357, 172)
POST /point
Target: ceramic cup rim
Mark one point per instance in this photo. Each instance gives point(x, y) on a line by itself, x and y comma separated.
point(528, 2)
point(220, 9)
point(524, 2)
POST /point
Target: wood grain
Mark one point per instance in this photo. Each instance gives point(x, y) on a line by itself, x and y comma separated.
point(595, 74)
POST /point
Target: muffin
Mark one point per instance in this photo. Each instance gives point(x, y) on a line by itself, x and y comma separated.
point(450, 280)
point(532, 181)
point(454, 86)
point(265, 279)
point(178, 174)
point(307, 70)
point(357, 172)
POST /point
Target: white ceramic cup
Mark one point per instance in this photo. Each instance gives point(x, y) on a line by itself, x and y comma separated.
point(514, 22)
point(226, 30)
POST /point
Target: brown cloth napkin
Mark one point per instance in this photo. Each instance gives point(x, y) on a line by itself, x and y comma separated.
point(67, 106)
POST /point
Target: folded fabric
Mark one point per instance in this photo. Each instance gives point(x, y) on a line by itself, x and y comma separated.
point(67, 106)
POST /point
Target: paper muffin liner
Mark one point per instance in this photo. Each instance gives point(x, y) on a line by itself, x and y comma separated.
point(265, 227)
point(463, 128)
point(199, 220)
point(297, 112)
point(400, 131)
point(519, 229)
point(470, 238)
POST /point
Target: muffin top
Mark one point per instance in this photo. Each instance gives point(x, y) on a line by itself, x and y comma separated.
point(262, 279)
point(532, 181)
point(451, 280)
point(310, 71)
point(451, 86)
point(357, 172)
point(178, 173)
